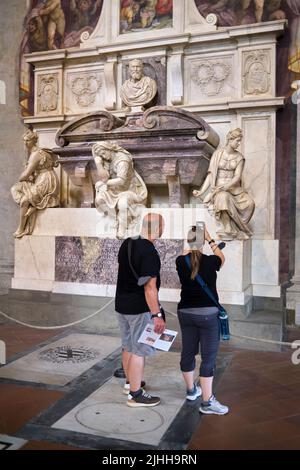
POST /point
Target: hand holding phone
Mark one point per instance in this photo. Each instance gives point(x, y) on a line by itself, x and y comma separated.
point(207, 235)
point(200, 233)
point(196, 236)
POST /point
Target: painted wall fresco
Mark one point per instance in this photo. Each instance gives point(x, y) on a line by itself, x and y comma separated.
point(139, 15)
point(49, 25)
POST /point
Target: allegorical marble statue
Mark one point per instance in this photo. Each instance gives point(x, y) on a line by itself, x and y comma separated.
point(120, 191)
point(38, 185)
point(138, 90)
point(232, 205)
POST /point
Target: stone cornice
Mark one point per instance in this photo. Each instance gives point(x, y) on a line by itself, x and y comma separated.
point(237, 33)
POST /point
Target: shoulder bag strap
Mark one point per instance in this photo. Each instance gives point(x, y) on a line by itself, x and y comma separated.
point(203, 284)
point(129, 251)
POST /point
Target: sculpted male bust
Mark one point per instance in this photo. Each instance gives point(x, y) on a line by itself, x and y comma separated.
point(138, 90)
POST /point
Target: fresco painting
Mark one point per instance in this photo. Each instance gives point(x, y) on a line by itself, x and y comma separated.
point(50, 25)
point(139, 15)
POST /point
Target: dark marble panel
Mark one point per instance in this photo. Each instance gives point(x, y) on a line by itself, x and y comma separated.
point(94, 261)
point(286, 188)
point(168, 251)
point(86, 260)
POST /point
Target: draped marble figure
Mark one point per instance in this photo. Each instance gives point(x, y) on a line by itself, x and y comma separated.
point(38, 185)
point(232, 205)
point(138, 90)
point(120, 191)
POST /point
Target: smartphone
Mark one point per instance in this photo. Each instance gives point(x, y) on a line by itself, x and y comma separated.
point(196, 236)
point(200, 233)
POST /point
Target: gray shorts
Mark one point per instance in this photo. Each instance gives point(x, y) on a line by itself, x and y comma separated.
point(132, 326)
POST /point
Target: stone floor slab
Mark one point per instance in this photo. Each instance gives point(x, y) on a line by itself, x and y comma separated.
point(10, 442)
point(61, 361)
point(104, 412)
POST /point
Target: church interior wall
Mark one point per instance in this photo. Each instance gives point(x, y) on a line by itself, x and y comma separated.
point(179, 59)
point(11, 129)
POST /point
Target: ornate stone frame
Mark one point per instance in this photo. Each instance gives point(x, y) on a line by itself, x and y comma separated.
point(186, 19)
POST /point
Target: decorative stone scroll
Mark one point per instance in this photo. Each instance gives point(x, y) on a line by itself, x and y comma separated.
point(211, 19)
point(79, 129)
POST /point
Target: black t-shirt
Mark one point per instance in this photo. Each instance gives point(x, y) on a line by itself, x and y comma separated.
point(192, 294)
point(130, 297)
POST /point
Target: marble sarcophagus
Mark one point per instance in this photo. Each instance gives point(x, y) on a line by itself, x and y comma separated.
point(170, 147)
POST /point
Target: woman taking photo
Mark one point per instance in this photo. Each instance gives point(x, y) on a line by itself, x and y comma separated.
point(198, 318)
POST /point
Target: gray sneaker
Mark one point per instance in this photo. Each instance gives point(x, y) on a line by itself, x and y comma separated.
point(213, 407)
point(144, 399)
point(196, 393)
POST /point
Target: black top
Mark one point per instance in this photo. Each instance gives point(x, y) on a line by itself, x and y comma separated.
point(130, 297)
point(192, 294)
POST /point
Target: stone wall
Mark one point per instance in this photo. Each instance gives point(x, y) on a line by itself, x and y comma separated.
point(11, 129)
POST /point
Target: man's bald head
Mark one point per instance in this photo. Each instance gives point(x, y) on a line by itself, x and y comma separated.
point(153, 226)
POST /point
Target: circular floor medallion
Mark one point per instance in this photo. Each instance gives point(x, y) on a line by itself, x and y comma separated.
point(117, 418)
point(69, 354)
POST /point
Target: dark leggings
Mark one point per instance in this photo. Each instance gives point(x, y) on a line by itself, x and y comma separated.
point(198, 330)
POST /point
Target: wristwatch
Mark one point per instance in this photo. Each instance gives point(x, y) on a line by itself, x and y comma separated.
point(211, 241)
point(158, 315)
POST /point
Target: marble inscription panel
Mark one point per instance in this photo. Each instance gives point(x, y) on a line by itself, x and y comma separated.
point(93, 260)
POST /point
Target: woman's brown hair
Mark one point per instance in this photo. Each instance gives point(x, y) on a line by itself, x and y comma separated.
point(195, 253)
point(195, 262)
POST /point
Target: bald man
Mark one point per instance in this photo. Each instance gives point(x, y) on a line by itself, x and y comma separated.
point(137, 305)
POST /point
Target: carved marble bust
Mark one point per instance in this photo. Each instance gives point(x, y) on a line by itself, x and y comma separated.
point(138, 90)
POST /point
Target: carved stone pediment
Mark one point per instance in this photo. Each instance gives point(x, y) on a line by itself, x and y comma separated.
point(156, 121)
point(84, 128)
point(167, 118)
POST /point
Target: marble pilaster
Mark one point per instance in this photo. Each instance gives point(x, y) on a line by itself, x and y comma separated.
point(293, 293)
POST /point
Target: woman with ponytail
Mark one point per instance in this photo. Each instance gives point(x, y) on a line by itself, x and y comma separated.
point(198, 318)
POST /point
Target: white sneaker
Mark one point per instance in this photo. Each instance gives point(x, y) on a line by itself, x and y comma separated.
point(213, 407)
point(196, 393)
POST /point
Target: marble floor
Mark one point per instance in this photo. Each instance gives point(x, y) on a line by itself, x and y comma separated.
point(89, 411)
point(11, 443)
point(61, 361)
point(104, 413)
